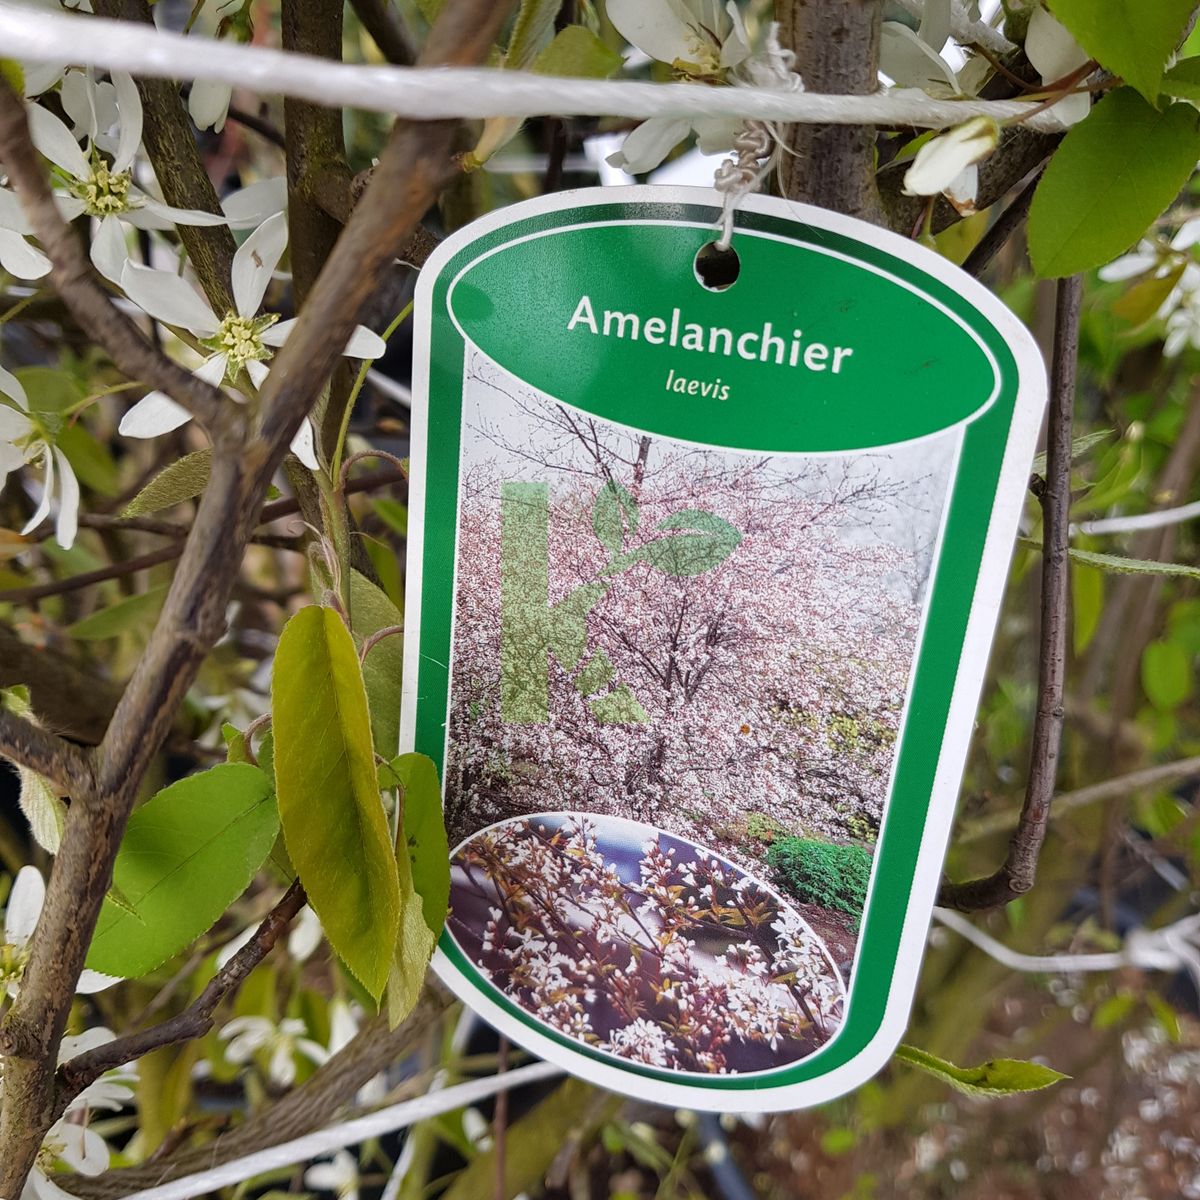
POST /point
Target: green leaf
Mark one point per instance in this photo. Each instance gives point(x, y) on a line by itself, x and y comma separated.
point(1117, 564)
point(1183, 79)
point(1166, 674)
point(371, 611)
point(182, 480)
point(131, 613)
point(392, 513)
point(531, 32)
point(1145, 298)
point(1166, 1016)
point(577, 53)
point(614, 514)
point(333, 820)
point(1114, 173)
point(1079, 447)
point(1132, 38)
point(1087, 603)
point(425, 833)
point(998, 1077)
point(414, 946)
point(1114, 1010)
point(50, 391)
point(43, 809)
point(187, 854)
point(706, 542)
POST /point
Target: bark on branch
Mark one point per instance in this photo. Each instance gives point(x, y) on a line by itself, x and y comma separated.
point(406, 183)
point(1016, 876)
point(64, 764)
point(195, 1020)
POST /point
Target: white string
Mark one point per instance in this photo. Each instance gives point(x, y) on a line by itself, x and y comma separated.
point(1173, 948)
point(756, 145)
point(435, 93)
point(335, 1137)
point(965, 28)
point(1150, 520)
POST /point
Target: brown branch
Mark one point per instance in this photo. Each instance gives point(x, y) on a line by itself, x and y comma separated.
point(380, 20)
point(170, 141)
point(63, 763)
point(194, 1021)
point(80, 287)
point(1019, 870)
point(143, 562)
point(75, 583)
point(836, 43)
point(308, 1107)
point(407, 181)
point(259, 125)
point(996, 237)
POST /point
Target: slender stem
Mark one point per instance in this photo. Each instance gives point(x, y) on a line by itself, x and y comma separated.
point(1019, 870)
point(359, 380)
point(195, 1020)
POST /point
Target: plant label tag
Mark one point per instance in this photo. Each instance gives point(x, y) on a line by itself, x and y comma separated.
point(702, 577)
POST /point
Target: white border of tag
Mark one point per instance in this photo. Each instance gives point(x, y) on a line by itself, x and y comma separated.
point(977, 641)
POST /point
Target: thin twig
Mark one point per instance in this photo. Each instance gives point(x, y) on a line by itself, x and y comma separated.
point(258, 124)
point(195, 1020)
point(62, 762)
point(1001, 230)
point(381, 21)
point(271, 512)
point(1019, 870)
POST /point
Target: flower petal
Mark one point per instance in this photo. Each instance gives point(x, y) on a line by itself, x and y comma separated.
point(129, 109)
point(939, 162)
point(208, 104)
point(109, 251)
point(250, 206)
point(277, 334)
point(649, 144)
point(154, 414)
point(43, 509)
point(91, 982)
point(82, 1148)
point(12, 215)
point(364, 343)
point(168, 215)
point(212, 369)
point(11, 386)
point(909, 62)
point(21, 259)
point(304, 445)
point(168, 298)
point(24, 906)
point(56, 142)
point(254, 261)
point(41, 77)
point(66, 524)
point(1051, 50)
point(651, 25)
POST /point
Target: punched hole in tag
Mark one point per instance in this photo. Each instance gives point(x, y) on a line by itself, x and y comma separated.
point(717, 268)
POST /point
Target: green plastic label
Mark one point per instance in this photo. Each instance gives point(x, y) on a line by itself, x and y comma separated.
point(701, 589)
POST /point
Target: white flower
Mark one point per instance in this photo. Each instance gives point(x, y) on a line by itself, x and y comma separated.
point(25, 903)
point(109, 115)
point(239, 341)
point(77, 1146)
point(339, 1175)
point(1055, 54)
point(343, 1026)
point(24, 441)
point(948, 162)
point(703, 41)
point(208, 104)
point(305, 936)
point(17, 256)
point(112, 1090)
point(249, 1035)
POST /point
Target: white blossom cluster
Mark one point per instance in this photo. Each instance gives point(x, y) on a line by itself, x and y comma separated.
point(643, 946)
point(99, 174)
